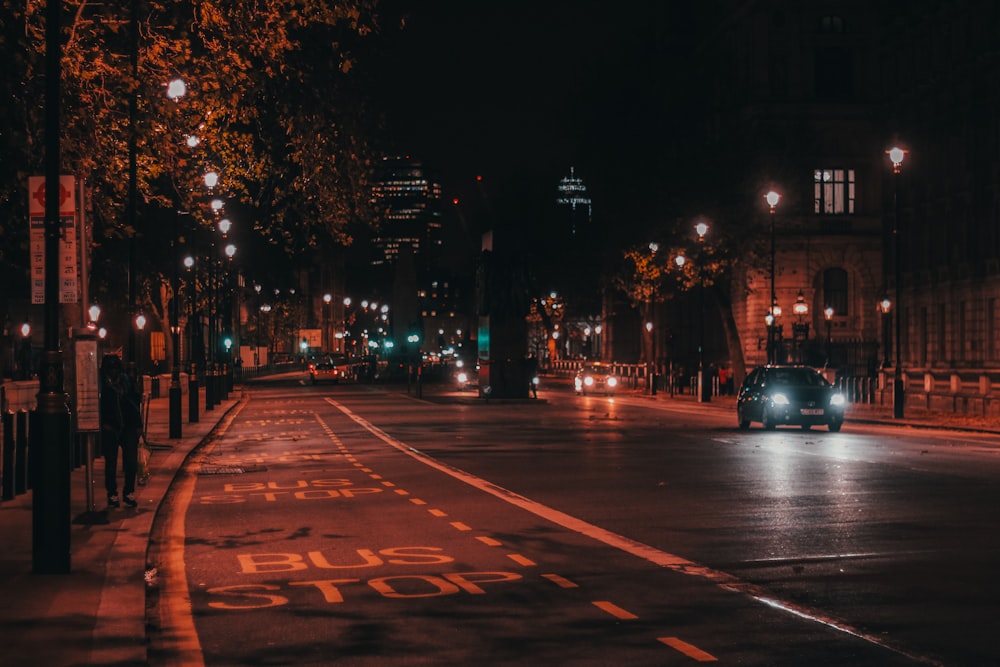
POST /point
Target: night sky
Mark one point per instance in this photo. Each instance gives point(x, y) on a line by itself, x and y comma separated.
point(518, 92)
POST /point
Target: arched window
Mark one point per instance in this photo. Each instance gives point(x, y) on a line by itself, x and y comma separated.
point(835, 291)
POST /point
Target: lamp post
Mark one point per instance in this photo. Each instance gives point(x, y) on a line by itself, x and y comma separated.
point(229, 312)
point(650, 323)
point(885, 307)
point(896, 155)
point(774, 332)
point(175, 335)
point(139, 323)
point(26, 350)
point(704, 388)
point(176, 89)
point(652, 334)
point(327, 344)
point(828, 314)
point(800, 328)
point(193, 382)
point(772, 198)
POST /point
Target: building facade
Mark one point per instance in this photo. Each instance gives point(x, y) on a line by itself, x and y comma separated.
point(806, 100)
point(407, 196)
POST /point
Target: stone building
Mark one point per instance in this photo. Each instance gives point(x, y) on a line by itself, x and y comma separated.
point(805, 99)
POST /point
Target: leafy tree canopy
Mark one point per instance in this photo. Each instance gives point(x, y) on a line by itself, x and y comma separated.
point(270, 98)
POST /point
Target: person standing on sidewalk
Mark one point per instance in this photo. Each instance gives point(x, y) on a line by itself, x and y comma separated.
point(121, 423)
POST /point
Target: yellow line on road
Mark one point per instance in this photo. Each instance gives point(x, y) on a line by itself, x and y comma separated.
point(176, 620)
point(521, 560)
point(489, 541)
point(615, 610)
point(690, 650)
point(561, 582)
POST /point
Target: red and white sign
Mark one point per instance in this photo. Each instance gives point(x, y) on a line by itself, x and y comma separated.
point(69, 289)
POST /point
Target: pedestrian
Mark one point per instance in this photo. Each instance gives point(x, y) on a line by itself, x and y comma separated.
point(531, 370)
point(121, 424)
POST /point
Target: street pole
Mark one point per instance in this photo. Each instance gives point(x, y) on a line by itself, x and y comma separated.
point(50, 423)
point(898, 396)
point(704, 389)
point(772, 199)
point(133, 190)
point(704, 383)
point(175, 335)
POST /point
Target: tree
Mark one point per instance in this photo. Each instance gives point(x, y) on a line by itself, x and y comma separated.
point(643, 280)
point(271, 98)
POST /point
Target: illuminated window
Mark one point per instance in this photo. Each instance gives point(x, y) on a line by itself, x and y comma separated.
point(833, 191)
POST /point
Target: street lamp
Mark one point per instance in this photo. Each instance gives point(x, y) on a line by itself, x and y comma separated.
point(94, 314)
point(26, 350)
point(800, 328)
point(772, 198)
point(896, 156)
point(176, 89)
point(229, 311)
point(651, 313)
point(828, 313)
point(885, 307)
point(327, 298)
point(704, 388)
point(193, 356)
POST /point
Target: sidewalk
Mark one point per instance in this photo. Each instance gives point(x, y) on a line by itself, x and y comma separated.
point(95, 614)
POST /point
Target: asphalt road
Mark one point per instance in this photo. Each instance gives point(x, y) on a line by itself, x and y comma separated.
point(356, 525)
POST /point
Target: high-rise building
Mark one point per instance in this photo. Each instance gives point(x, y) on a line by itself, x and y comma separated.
point(573, 198)
point(407, 196)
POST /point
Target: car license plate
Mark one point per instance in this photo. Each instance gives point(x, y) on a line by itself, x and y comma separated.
point(812, 411)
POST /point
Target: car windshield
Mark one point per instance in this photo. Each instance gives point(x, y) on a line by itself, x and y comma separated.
point(596, 371)
point(796, 377)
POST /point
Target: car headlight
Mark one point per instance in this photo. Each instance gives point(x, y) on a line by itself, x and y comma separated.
point(463, 378)
point(612, 382)
point(588, 381)
point(837, 399)
point(779, 399)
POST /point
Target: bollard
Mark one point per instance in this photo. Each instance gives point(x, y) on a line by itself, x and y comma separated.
point(21, 481)
point(8, 456)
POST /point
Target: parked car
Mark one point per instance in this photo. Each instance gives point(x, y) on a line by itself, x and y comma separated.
point(333, 368)
point(595, 378)
point(789, 395)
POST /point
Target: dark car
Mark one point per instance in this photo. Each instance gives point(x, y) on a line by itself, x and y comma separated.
point(792, 395)
point(330, 369)
point(595, 379)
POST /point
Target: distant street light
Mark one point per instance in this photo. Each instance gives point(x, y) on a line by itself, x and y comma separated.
point(772, 198)
point(885, 307)
point(704, 386)
point(828, 314)
point(896, 155)
point(26, 350)
point(176, 89)
point(327, 317)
